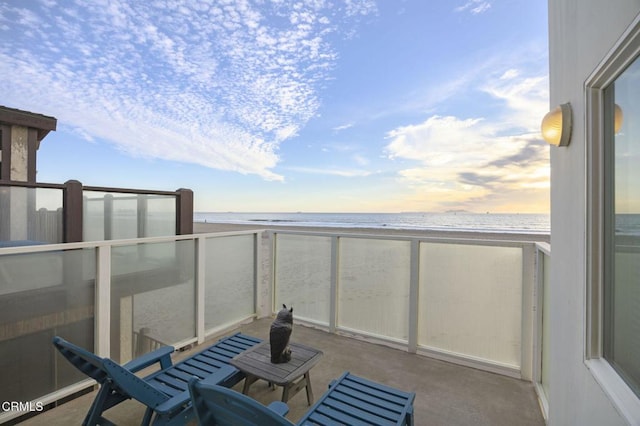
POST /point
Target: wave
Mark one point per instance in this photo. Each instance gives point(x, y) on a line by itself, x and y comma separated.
point(472, 222)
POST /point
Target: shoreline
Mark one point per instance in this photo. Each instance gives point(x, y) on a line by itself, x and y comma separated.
point(207, 227)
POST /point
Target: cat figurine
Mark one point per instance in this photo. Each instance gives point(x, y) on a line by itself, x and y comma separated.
point(279, 335)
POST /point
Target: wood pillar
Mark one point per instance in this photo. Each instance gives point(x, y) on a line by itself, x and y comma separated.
point(72, 206)
point(184, 211)
point(5, 149)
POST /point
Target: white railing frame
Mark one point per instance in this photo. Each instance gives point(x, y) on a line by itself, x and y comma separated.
point(265, 285)
point(542, 249)
point(528, 311)
point(102, 321)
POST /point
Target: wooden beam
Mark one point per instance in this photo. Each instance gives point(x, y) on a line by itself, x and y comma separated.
point(44, 124)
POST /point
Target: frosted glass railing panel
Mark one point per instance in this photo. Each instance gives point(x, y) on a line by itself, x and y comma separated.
point(93, 219)
point(111, 216)
point(470, 300)
point(373, 286)
point(230, 279)
point(124, 217)
point(29, 215)
point(152, 294)
point(161, 216)
point(546, 325)
point(303, 275)
point(43, 295)
point(48, 217)
point(28, 272)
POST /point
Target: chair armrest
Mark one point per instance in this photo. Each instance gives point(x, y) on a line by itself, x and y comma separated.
point(162, 355)
point(279, 408)
point(222, 374)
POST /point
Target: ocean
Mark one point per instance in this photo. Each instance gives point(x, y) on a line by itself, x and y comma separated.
point(459, 221)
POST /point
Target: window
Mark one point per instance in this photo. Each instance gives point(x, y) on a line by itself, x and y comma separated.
point(613, 227)
point(621, 226)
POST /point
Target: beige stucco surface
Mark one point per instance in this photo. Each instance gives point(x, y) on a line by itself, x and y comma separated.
point(581, 34)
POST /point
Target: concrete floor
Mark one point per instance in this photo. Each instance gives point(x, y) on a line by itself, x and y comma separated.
point(446, 394)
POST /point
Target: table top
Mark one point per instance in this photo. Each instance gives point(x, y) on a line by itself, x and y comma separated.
point(256, 361)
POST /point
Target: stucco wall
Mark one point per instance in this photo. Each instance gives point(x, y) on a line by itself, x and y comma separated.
point(581, 33)
point(19, 153)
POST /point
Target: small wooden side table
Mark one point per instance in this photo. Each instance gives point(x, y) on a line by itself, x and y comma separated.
point(292, 376)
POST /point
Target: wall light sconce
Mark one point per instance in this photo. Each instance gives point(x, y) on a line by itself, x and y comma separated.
point(617, 119)
point(556, 125)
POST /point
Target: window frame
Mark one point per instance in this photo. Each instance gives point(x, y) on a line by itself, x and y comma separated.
point(623, 53)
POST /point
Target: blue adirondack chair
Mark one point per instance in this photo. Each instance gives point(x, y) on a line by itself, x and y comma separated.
point(350, 400)
point(164, 392)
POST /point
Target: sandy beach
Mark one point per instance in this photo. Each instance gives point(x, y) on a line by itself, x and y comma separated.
point(201, 227)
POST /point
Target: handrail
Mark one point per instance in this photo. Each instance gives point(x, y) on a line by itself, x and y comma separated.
point(122, 242)
point(32, 185)
point(9, 183)
point(506, 242)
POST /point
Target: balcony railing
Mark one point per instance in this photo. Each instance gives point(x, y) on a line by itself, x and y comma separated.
point(71, 212)
point(471, 301)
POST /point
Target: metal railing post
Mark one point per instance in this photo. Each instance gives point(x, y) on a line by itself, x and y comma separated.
point(414, 283)
point(333, 298)
point(528, 310)
point(103, 302)
point(200, 259)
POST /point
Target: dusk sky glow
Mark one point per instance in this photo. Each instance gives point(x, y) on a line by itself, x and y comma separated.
point(277, 105)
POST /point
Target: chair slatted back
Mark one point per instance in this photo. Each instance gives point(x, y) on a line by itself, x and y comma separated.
point(85, 361)
point(216, 405)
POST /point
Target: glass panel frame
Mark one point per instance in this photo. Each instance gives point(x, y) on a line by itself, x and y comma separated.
point(302, 276)
point(230, 285)
point(44, 294)
point(545, 341)
point(470, 301)
point(374, 277)
point(112, 215)
point(31, 215)
point(153, 294)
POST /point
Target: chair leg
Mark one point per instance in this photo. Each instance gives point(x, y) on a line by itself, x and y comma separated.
point(94, 416)
point(146, 420)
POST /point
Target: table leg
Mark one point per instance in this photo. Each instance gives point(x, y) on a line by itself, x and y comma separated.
point(309, 390)
point(248, 381)
point(292, 388)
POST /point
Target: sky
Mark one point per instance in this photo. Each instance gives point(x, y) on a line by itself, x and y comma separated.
point(284, 105)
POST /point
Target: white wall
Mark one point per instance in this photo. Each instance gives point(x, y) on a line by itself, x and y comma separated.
point(581, 33)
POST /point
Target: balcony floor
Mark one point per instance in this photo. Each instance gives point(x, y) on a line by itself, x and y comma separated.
point(446, 394)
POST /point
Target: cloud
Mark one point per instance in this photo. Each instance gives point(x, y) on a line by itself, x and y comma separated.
point(475, 7)
point(343, 127)
point(219, 85)
point(465, 163)
point(361, 7)
point(360, 160)
point(526, 98)
point(331, 171)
